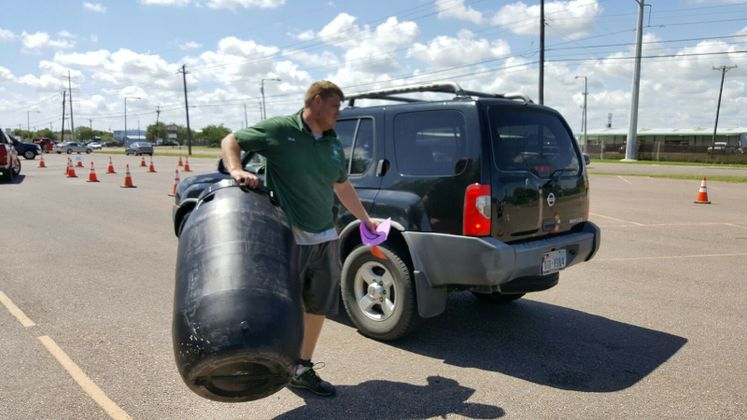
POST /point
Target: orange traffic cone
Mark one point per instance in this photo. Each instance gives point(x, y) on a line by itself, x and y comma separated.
point(181, 164)
point(92, 174)
point(79, 163)
point(186, 166)
point(176, 182)
point(42, 164)
point(71, 170)
point(142, 162)
point(110, 168)
point(151, 168)
point(128, 178)
point(67, 167)
point(702, 193)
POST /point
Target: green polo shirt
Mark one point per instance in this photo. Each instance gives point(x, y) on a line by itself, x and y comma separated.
point(301, 170)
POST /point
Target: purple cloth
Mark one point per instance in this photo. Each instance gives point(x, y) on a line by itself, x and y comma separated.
point(375, 238)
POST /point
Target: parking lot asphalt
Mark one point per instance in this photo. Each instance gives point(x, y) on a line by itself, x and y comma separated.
point(652, 327)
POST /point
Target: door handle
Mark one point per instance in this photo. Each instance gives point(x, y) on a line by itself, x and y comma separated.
point(382, 167)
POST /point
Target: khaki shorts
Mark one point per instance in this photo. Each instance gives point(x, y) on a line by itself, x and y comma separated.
point(319, 267)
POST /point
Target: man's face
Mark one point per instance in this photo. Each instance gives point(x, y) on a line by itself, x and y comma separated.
point(327, 111)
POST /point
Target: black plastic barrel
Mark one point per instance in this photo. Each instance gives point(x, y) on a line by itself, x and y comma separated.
point(238, 317)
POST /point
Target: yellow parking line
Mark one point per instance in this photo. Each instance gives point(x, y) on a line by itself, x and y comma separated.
point(16, 311)
point(111, 408)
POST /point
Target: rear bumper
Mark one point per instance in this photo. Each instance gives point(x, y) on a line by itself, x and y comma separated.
point(442, 260)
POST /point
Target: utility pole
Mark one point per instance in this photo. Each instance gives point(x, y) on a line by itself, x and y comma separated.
point(246, 120)
point(158, 114)
point(586, 95)
point(542, 54)
point(630, 150)
point(62, 130)
point(262, 91)
point(72, 123)
point(186, 108)
point(723, 69)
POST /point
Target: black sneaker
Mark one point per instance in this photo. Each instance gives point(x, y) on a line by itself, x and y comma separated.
point(310, 380)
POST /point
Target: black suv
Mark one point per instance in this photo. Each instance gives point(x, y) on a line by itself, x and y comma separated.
point(486, 192)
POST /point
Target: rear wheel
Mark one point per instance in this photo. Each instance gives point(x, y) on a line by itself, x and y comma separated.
point(379, 295)
point(12, 172)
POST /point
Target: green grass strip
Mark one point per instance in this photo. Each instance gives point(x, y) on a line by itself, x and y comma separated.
point(719, 178)
point(667, 163)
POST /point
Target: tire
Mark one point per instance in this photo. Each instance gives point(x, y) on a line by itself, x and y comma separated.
point(69, 151)
point(183, 222)
point(29, 155)
point(498, 297)
point(12, 172)
point(89, 151)
point(379, 295)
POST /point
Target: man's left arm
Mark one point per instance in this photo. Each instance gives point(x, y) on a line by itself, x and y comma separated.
point(349, 198)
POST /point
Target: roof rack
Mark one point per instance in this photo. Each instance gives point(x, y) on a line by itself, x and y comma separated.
point(442, 87)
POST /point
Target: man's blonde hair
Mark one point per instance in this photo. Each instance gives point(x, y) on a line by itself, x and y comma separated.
point(325, 89)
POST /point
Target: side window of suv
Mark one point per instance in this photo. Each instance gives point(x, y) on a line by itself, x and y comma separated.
point(363, 150)
point(356, 136)
point(429, 143)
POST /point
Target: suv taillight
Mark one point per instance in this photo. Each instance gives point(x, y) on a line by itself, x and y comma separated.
point(477, 210)
point(3, 155)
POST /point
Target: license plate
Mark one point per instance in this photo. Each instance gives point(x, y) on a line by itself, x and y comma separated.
point(553, 261)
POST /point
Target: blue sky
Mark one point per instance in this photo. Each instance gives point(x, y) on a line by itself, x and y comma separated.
point(134, 49)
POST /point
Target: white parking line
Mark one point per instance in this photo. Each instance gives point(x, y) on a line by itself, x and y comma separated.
point(623, 179)
point(16, 311)
point(733, 225)
point(616, 219)
point(667, 257)
point(111, 408)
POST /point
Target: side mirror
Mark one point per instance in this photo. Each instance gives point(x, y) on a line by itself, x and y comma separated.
point(587, 159)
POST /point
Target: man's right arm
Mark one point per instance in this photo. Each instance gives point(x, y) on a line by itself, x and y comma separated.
point(232, 160)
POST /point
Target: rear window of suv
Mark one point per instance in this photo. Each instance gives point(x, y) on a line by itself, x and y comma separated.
point(531, 140)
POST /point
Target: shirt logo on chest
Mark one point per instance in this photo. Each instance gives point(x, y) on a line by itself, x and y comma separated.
point(291, 139)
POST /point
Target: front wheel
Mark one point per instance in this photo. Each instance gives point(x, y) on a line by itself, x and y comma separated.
point(379, 295)
point(29, 155)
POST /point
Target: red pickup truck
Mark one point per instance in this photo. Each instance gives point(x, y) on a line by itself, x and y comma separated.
point(10, 165)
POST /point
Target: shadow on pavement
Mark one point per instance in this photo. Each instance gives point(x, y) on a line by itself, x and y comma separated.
point(541, 343)
point(16, 180)
point(394, 400)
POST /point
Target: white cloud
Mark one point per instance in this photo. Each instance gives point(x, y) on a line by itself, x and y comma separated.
point(341, 32)
point(445, 51)
point(247, 4)
point(165, 2)
point(571, 19)
point(6, 35)
point(5, 74)
point(40, 40)
point(457, 10)
point(94, 7)
point(303, 36)
point(190, 45)
point(369, 53)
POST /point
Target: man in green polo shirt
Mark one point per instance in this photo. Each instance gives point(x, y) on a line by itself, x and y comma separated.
point(305, 169)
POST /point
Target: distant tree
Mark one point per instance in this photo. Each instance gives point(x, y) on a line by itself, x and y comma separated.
point(84, 133)
point(213, 134)
point(181, 135)
point(45, 132)
point(156, 132)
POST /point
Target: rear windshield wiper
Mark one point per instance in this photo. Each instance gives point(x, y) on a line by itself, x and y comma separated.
point(552, 177)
